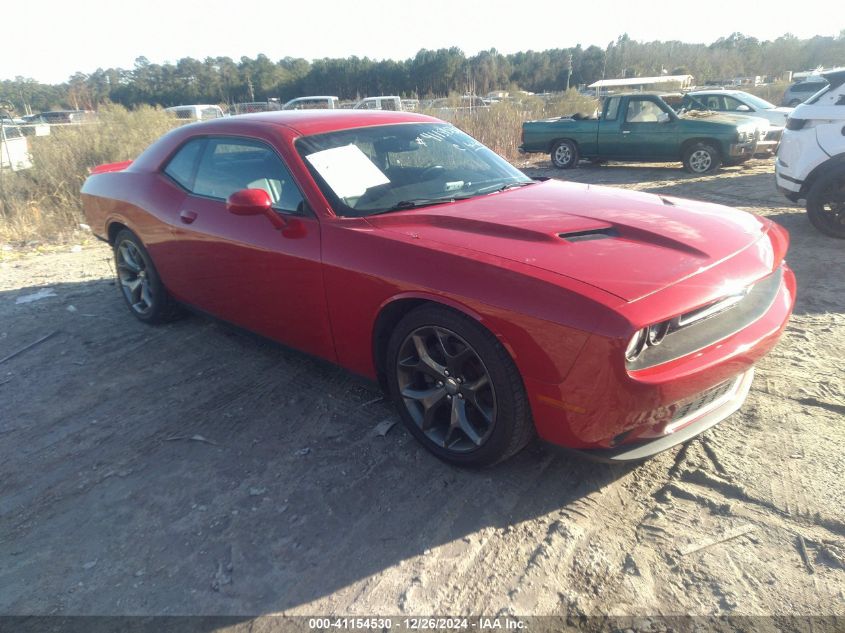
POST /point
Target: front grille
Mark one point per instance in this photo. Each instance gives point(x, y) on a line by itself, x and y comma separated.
point(703, 400)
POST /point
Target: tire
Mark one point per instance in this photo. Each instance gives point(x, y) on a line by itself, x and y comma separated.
point(462, 398)
point(826, 203)
point(564, 155)
point(701, 158)
point(139, 283)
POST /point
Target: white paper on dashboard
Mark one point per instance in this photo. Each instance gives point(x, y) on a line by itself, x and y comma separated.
point(347, 170)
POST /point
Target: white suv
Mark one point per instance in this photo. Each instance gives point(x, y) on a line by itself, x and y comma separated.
point(811, 156)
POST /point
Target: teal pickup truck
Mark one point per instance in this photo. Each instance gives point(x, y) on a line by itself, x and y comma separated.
point(643, 127)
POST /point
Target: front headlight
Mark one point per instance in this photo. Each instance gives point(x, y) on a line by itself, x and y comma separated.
point(650, 336)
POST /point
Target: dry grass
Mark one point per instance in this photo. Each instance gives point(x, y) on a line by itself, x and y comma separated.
point(42, 203)
point(500, 126)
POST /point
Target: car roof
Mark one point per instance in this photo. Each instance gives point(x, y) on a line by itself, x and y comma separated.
point(308, 122)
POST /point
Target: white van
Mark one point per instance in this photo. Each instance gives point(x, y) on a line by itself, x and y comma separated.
point(312, 103)
point(811, 156)
point(14, 150)
point(200, 112)
point(379, 103)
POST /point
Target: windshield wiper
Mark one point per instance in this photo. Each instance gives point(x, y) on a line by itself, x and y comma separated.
point(414, 204)
point(504, 187)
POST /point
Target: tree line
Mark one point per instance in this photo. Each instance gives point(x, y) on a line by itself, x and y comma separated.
point(429, 73)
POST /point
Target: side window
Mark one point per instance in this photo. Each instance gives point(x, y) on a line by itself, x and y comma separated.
point(643, 111)
point(183, 164)
point(731, 103)
point(714, 102)
point(229, 165)
point(612, 109)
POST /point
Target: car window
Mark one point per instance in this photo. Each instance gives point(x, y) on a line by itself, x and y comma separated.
point(808, 86)
point(612, 110)
point(731, 103)
point(380, 169)
point(712, 102)
point(642, 111)
point(229, 165)
point(182, 166)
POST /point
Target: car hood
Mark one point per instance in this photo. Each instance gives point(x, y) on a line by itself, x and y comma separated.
point(627, 243)
point(720, 118)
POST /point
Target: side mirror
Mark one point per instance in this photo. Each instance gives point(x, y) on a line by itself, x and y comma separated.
point(249, 202)
point(663, 117)
point(743, 108)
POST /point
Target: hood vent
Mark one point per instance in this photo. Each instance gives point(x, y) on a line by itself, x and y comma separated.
point(592, 234)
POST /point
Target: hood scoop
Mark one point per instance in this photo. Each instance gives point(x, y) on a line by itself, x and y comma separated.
point(591, 234)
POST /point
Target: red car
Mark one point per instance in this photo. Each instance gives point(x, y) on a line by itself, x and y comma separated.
point(488, 305)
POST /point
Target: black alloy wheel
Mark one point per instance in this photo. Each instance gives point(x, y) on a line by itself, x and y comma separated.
point(826, 204)
point(446, 389)
point(456, 387)
point(139, 282)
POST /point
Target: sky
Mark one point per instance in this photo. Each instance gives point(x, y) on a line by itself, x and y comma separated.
point(62, 38)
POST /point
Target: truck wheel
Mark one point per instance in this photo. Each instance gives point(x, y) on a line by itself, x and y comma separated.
point(564, 155)
point(701, 158)
point(826, 203)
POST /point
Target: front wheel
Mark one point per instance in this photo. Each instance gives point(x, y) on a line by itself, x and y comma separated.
point(138, 280)
point(701, 158)
point(564, 155)
point(457, 390)
point(826, 204)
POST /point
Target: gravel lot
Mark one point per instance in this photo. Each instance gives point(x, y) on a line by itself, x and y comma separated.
point(191, 469)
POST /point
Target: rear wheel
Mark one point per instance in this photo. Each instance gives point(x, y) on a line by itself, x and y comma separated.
point(826, 203)
point(564, 155)
point(139, 282)
point(457, 390)
point(701, 158)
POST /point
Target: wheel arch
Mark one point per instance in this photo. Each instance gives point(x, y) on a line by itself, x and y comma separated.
point(702, 139)
point(115, 226)
point(394, 309)
point(837, 161)
point(557, 140)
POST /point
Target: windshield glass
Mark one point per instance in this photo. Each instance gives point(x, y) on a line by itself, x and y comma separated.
point(372, 170)
point(757, 102)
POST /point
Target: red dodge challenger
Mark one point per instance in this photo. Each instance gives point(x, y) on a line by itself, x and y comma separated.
point(488, 305)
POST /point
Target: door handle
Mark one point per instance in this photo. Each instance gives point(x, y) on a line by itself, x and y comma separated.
point(187, 216)
point(626, 131)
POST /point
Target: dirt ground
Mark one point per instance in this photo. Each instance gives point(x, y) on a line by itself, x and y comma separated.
point(191, 469)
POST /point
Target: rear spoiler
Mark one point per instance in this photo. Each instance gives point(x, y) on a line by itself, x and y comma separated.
point(107, 167)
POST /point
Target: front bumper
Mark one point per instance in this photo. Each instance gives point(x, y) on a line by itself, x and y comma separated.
point(682, 430)
point(743, 150)
point(788, 186)
point(608, 410)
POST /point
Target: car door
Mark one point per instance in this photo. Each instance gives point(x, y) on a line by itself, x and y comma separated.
point(243, 269)
point(649, 130)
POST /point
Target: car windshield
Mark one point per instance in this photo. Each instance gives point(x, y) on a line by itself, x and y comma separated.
point(757, 102)
point(366, 171)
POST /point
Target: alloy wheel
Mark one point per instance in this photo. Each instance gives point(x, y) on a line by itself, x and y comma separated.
point(134, 278)
point(700, 161)
point(446, 389)
point(563, 155)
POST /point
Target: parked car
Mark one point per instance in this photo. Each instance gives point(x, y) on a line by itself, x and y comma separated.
point(58, 117)
point(312, 103)
point(14, 149)
point(488, 305)
point(197, 112)
point(249, 107)
point(643, 127)
point(379, 103)
point(801, 90)
point(739, 102)
point(811, 158)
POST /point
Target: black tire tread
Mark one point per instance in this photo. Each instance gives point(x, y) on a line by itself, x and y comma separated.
point(814, 202)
